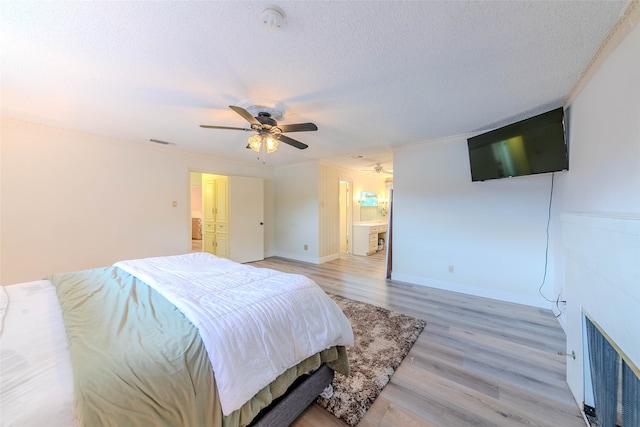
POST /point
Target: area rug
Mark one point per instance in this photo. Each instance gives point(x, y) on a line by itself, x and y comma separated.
point(382, 339)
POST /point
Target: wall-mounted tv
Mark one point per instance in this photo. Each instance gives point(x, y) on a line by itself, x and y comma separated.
point(531, 146)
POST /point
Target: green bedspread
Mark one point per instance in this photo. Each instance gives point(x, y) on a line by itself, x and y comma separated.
point(137, 361)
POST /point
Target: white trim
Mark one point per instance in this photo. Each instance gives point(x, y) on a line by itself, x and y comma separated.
point(329, 258)
point(629, 18)
point(296, 257)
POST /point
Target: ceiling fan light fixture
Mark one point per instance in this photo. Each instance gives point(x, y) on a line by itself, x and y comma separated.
point(269, 133)
point(255, 142)
point(271, 144)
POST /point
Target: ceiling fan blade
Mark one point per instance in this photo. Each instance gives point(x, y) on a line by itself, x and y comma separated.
point(298, 127)
point(225, 127)
point(292, 142)
point(246, 115)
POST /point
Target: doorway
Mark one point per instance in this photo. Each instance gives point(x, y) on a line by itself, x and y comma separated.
point(227, 216)
point(196, 211)
point(210, 213)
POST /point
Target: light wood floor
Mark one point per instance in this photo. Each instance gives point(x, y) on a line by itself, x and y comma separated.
point(478, 362)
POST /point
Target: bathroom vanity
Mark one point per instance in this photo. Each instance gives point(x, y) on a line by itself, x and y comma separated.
point(367, 235)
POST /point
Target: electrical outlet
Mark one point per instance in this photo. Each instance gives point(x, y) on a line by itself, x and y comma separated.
point(306, 247)
point(451, 269)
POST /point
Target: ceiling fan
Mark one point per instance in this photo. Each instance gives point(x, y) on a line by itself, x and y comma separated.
point(269, 132)
point(378, 168)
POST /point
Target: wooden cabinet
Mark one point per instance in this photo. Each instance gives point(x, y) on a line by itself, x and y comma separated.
point(209, 242)
point(208, 215)
point(221, 191)
point(221, 185)
point(222, 245)
point(233, 217)
point(215, 213)
point(366, 238)
point(208, 199)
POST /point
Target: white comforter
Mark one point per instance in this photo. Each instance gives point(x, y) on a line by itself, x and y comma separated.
point(255, 322)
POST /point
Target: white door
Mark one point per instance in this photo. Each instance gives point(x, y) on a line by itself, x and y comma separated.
point(246, 219)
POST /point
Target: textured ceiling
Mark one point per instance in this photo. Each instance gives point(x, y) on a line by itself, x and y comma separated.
point(371, 75)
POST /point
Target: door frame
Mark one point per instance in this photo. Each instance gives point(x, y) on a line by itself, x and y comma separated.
point(229, 179)
point(346, 215)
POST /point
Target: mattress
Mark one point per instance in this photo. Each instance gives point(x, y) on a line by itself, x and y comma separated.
point(37, 386)
point(254, 322)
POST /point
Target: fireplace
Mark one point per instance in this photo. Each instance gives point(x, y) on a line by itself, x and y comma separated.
point(611, 381)
point(601, 319)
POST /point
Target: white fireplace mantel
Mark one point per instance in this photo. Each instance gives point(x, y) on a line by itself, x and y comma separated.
point(603, 280)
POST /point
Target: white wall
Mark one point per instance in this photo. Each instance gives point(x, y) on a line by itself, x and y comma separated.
point(307, 209)
point(330, 177)
point(601, 208)
point(72, 201)
point(493, 233)
point(602, 276)
point(296, 212)
point(196, 195)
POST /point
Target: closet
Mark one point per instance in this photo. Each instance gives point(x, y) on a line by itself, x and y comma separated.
point(231, 212)
point(215, 214)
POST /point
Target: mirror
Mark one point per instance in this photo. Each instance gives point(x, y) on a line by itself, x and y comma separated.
point(369, 206)
point(368, 199)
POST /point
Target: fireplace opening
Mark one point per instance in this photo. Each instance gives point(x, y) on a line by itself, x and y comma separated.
point(611, 381)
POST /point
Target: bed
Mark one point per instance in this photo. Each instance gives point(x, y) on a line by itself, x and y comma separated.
point(183, 340)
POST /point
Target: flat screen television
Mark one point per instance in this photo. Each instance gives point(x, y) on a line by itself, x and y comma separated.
point(531, 146)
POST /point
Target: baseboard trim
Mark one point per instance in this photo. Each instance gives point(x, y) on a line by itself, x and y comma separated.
point(297, 257)
point(329, 258)
point(532, 301)
point(311, 260)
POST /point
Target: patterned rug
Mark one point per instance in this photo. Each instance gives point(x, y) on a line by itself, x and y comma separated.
point(382, 339)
